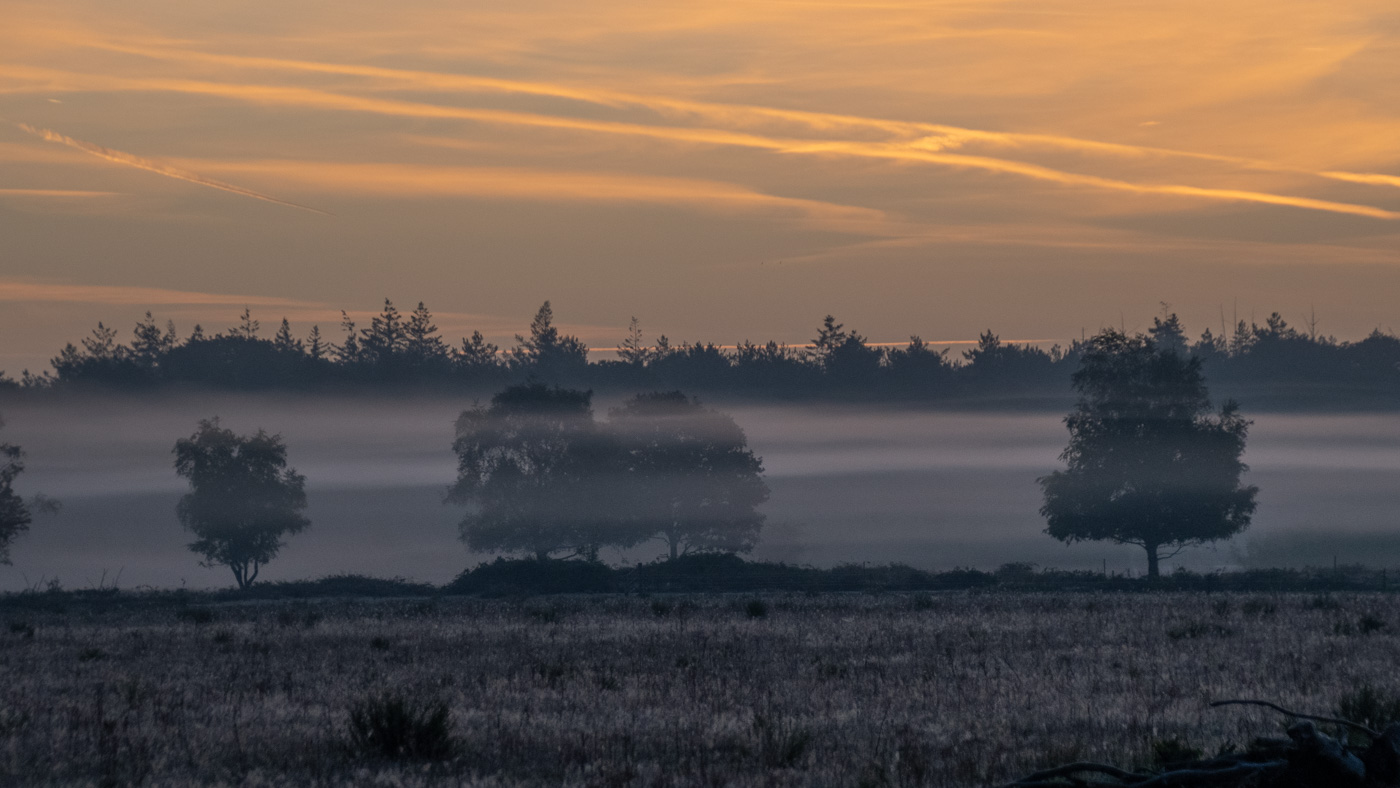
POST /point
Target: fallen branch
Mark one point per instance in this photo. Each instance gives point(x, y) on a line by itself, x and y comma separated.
point(1281, 710)
point(1308, 757)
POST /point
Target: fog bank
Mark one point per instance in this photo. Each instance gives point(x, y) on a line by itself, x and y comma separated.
point(932, 489)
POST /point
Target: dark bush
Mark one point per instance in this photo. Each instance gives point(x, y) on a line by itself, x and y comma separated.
point(195, 615)
point(1168, 752)
point(392, 726)
point(781, 743)
point(1370, 707)
point(508, 577)
point(1369, 624)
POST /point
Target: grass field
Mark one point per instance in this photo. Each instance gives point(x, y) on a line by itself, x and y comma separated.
point(949, 689)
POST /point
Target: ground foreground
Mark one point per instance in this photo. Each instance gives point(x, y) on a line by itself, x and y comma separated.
point(942, 689)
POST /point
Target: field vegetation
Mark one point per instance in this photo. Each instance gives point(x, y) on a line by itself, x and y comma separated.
point(956, 688)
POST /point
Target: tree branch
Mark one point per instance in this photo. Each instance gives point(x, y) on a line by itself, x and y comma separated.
point(1333, 720)
point(1174, 553)
point(1179, 776)
point(1040, 777)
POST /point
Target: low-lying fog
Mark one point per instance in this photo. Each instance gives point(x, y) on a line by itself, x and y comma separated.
point(934, 490)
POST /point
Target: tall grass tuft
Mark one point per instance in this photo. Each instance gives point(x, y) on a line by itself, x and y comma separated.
point(400, 728)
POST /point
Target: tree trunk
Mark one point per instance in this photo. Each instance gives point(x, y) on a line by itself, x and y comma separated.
point(675, 545)
point(1152, 570)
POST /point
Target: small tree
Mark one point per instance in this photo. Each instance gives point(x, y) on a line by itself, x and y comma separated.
point(1148, 463)
point(243, 498)
point(14, 514)
point(633, 349)
point(537, 476)
point(694, 483)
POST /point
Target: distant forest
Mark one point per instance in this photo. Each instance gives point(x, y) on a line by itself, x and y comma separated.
point(1273, 365)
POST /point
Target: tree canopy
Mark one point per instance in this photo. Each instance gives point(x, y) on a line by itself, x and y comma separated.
point(692, 479)
point(1148, 463)
point(538, 476)
point(243, 499)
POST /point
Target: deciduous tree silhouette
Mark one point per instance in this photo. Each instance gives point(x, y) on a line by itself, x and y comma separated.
point(14, 515)
point(693, 481)
point(538, 476)
point(243, 498)
point(1148, 462)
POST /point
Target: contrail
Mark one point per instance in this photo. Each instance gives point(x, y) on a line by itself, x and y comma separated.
point(141, 163)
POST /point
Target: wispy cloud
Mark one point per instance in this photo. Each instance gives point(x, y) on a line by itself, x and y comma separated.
point(53, 193)
point(1372, 178)
point(407, 180)
point(151, 165)
point(922, 150)
point(944, 135)
point(916, 134)
point(23, 290)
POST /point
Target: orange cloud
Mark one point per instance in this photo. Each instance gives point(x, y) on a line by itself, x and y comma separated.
point(53, 193)
point(1374, 179)
point(20, 290)
point(407, 180)
point(919, 152)
point(734, 114)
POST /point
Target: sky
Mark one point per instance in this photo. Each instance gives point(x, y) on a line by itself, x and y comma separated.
point(719, 170)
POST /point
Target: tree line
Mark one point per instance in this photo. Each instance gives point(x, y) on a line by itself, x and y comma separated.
point(1149, 463)
point(1273, 362)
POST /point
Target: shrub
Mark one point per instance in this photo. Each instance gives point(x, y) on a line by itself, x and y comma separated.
point(756, 608)
point(1196, 629)
point(1369, 624)
point(504, 577)
point(1166, 752)
point(307, 618)
point(195, 615)
point(1365, 625)
point(1324, 602)
point(1258, 608)
point(400, 728)
point(781, 744)
point(545, 615)
point(1370, 707)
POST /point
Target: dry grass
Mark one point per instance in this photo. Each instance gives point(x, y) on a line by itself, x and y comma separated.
point(943, 689)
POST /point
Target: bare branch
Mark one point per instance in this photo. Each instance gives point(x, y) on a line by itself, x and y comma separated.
point(1281, 710)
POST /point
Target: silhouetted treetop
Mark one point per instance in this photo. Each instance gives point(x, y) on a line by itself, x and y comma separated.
point(1269, 365)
